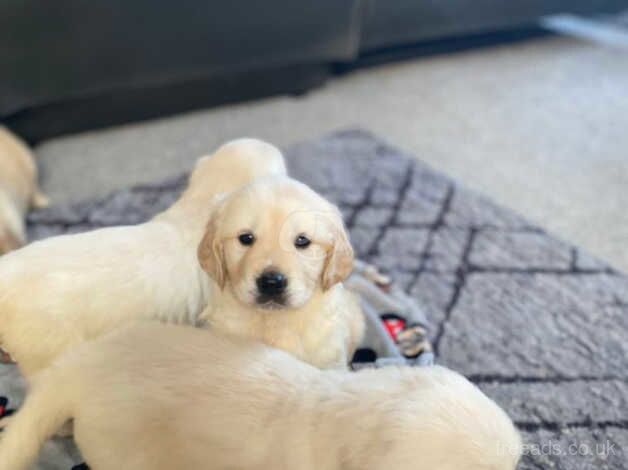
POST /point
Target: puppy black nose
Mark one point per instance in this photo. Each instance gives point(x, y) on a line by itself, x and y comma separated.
point(271, 283)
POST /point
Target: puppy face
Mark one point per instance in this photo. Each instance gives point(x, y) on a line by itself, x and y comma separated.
point(274, 243)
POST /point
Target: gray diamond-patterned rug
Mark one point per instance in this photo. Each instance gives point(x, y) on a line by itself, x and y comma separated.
point(540, 325)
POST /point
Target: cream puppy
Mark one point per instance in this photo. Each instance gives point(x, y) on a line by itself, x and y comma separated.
point(159, 396)
point(278, 253)
point(64, 290)
point(18, 190)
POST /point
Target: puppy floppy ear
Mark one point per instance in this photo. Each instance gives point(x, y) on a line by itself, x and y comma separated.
point(339, 262)
point(210, 250)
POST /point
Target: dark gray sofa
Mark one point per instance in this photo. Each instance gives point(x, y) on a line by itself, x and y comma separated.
point(70, 65)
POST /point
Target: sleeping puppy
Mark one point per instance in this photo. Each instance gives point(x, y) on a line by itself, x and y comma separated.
point(156, 396)
point(64, 290)
point(18, 190)
point(278, 253)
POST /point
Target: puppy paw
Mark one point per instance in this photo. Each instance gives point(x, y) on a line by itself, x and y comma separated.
point(412, 341)
point(39, 200)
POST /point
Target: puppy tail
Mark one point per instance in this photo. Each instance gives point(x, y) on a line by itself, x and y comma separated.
point(45, 410)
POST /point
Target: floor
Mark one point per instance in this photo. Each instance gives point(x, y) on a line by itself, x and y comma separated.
point(539, 126)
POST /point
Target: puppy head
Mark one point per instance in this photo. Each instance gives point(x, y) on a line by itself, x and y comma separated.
point(274, 243)
point(242, 159)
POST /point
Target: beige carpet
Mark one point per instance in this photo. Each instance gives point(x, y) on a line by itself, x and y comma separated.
point(540, 126)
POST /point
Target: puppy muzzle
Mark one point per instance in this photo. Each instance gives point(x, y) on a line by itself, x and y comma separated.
point(271, 289)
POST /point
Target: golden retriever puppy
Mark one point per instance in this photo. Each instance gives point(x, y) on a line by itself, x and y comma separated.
point(278, 253)
point(61, 291)
point(18, 190)
point(156, 396)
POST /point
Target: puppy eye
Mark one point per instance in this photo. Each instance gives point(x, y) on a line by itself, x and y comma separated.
point(302, 242)
point(246, 238)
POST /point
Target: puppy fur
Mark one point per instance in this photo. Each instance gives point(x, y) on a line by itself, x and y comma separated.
point(156, 396)
point(18, 190)
point(61, 291)
point(313, 316)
